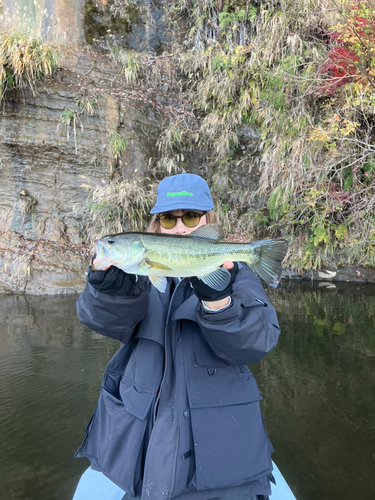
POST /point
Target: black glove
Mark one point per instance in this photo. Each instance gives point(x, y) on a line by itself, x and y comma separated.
point(112, 280)
point(205, 292)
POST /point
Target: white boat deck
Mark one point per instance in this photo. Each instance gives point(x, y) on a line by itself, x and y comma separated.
point(281, 491)
point(105, 489)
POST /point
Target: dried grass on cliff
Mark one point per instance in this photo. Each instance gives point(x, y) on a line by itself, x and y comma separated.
point(24, 60)
point(117, 207)
point(260, 65)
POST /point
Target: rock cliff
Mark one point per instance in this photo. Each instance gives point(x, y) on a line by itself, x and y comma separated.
point(55, 140)
point(48, 164)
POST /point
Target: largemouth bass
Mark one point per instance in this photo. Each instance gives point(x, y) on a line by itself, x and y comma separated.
point(200, 254)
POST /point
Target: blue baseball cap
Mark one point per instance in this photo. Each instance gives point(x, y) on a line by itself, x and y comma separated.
point(183, 191)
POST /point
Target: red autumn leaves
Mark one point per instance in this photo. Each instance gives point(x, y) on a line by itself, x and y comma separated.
point(355, 36)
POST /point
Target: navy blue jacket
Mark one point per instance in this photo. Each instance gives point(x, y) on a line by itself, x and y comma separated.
point(178, 412)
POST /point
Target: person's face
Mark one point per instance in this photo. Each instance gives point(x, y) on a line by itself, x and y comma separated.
point(180, 227)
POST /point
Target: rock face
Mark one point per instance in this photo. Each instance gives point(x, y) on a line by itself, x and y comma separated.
point(135, 24)
point(44, 161)
point(327, 276)
point(46, 174)
point(41, 167)
point(58, 20)
point(55, 144)
point(40, 266)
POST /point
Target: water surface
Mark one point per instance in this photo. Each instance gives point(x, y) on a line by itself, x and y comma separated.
point(318, 387)
point(319, 390)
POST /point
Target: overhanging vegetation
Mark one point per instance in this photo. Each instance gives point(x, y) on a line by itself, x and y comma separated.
point(302, 74)
point(24, 60)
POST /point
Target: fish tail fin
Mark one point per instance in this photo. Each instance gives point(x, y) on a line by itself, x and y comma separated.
point(269, 256)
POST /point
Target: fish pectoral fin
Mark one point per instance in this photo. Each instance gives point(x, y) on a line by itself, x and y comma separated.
point(209, 231)
point(157, 265)
point(159, 282)
point(218, 280)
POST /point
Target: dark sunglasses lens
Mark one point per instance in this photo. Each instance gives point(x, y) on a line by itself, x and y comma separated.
point(167, 221)
point(191, 219)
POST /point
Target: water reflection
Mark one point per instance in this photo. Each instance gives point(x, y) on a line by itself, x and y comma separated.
point(319, 391)
point(50, 371)
point(318, 387)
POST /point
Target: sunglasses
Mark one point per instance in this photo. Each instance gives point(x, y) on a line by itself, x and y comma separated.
point(190, 219)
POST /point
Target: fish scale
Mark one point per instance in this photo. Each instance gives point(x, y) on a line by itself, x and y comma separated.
point(199, 254)
point(206, 255)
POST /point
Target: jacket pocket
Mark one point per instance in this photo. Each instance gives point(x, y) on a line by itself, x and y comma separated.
point(204, 356)
point(137, 400)
point(114, 443)
point(230, 441)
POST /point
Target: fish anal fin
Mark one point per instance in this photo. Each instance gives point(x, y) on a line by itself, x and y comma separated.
point(159, 282)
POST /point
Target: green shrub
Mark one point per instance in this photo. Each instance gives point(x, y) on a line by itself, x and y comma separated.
point(24, 61)
point(266, 66)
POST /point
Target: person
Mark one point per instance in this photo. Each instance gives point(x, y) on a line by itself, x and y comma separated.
point(178, 415)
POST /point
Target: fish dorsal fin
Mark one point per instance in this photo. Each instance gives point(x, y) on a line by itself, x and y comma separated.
point(159, 282)
point(218, 280)
point(209, 231)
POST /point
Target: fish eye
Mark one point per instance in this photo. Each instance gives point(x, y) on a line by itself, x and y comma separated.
point(111, 241)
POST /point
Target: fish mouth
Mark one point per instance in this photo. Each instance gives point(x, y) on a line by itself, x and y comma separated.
point(102, 264)
point(102, 260)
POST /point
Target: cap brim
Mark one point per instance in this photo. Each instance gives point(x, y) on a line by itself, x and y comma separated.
point(158, 209)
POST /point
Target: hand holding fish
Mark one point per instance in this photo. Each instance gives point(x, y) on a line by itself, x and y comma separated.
point(210, 300)
point(201, 254)
point(227, 264)
point(112, 281)
point(214, 299)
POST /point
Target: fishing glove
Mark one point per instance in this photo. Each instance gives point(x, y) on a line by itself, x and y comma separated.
point(205, 292)
point(112, 280)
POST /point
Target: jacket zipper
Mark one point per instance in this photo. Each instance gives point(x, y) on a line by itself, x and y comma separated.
point(168, 493)
point(156, 404)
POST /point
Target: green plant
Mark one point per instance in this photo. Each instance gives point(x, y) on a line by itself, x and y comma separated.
point(129, 62)
point(268, 67)
point(118, 145)
point(125, 9)
point(72, 117)
point(68, 118)
point(278, 203)
point(227, 18)
point(118, 206)
point(87, 104)
point(24, 60)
